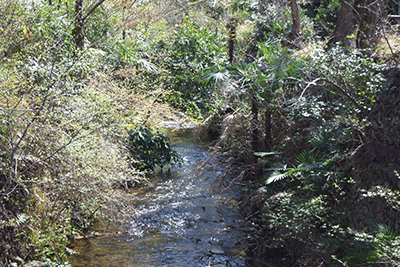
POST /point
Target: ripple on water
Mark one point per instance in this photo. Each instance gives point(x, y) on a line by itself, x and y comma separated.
point(183, 220)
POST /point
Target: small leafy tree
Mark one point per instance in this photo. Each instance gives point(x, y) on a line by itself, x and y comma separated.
point(148, 150)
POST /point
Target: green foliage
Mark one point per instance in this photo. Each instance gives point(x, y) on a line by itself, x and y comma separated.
point(68, 160)
point(325, 14)
point(273, 20)
point(60, 141)
point(306, 167)
point(324, 106)
point(351, 69)
point(148, 150)
point(98, 26)
point(379, 244)
point(62, 124)
point(304, 223)
point(262, 77)
point(50, 263)
point(184, 59)
point(62, 121)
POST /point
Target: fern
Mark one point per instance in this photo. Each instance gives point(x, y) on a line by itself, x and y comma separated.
point(263, 154)
point(324, 140)
point(218, 76)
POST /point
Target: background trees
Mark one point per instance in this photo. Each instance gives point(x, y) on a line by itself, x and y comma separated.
point(79, 21)
point(297, 120)
point(359, 23)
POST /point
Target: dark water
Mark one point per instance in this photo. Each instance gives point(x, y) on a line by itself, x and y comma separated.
point(181, 220)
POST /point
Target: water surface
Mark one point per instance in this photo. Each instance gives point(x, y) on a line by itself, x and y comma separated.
point(182, 219)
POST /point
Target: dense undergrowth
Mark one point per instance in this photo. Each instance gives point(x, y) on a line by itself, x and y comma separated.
point(318, 138)
point(314, 132)
point(312, 124)
point(65, 118)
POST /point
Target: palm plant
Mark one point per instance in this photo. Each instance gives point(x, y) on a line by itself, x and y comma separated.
point(306, 162)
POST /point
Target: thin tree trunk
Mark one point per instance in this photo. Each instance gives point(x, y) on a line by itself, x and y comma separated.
point(256, 142)
point(295, 34)
point(123, 20)
point(231, 26)
point(374, 14)
point(93, 8)
point(78, 33)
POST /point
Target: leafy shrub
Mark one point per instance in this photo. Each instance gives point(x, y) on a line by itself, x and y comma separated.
point(379, 245)
point(184, 60)
point(61, 156)
point(149, 150)
point(306, 214)
point(323, 99)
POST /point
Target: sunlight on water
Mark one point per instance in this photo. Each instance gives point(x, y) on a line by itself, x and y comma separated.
point(182, 220)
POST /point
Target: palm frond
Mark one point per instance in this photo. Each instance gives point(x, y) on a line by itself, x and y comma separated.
point(263, 154)
point(147, 65)
point(276, 176)
point(217, 76)
point(306, 157)
point(22, 218)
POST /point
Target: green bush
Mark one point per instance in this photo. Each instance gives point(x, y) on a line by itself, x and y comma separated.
point(185, 59)
point(150, 150)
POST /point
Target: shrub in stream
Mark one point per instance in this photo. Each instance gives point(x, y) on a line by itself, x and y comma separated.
point(150, 150)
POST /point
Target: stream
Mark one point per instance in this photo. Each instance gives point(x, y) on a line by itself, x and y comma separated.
point(181, 219)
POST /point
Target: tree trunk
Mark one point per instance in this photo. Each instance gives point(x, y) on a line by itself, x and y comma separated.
point(77, 32)
point(295, 34)
point(374, 16)
point(123, 20)
point(231, 26)
point(346, 26)
point(255, 137)
point(358, 23)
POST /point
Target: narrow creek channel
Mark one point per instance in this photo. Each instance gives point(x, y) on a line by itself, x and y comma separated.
point(182, 219)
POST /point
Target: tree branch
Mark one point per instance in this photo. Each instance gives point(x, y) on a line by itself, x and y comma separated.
point(92, 9)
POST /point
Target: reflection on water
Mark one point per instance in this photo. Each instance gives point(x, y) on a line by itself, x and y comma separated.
point(182, 220)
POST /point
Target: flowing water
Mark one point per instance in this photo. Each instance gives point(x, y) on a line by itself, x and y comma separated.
point(183, 219)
